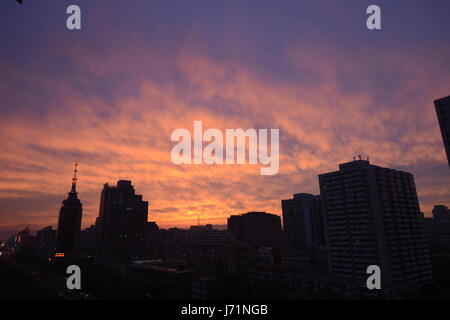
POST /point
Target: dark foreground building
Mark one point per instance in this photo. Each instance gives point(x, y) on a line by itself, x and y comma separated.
point(372, 217)
point(121, 224)
point(69, 222)
point(256, 230)
point(443, 114)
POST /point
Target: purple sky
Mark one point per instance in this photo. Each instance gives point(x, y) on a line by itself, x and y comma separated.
point(110, 95)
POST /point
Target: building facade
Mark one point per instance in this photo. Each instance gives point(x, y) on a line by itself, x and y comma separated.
point(302, 221)
point(121, 224)
point(304, 237)
point(372, 217)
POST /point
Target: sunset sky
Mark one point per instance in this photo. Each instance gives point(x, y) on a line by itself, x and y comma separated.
point(110, 95)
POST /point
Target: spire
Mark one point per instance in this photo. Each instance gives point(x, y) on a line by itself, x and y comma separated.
point(74, 179)
point(73, 195)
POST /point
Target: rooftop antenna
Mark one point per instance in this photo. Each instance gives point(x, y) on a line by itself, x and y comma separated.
point(74, 179)
point(198, 219)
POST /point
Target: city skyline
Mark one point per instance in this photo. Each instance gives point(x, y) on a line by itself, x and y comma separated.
point(366, 217)
point(110, 95)
point(220, 226)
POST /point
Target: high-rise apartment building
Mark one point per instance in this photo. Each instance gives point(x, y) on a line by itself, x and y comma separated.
point(121, 224)
point(372, 217)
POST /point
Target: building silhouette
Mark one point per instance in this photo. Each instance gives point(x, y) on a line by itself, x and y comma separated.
point(304, 238)
point(257, 229)
point(153, 243)
point(442, 107)
point(121, 224)
point(372, 217)
point(46, 242)
point(437, 231)
point(441, 213)
point(69, 222)
point(88, 241)
point(302, 221)
point(24, 244)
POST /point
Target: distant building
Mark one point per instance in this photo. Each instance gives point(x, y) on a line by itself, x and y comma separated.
point(441, 213)
point(302, 221)
point(437, 229)
point(25, 244)
point(153, 245)
point(196, 231)
point(46, 242)
point(304, 237)
point(442, 107)
point(88, 241)
point(212, 252)
point(121, 224)
point(256, 229)
point(69, 222)
point(372, 217)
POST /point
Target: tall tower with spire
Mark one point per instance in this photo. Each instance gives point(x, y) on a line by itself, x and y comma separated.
point(69, 221)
